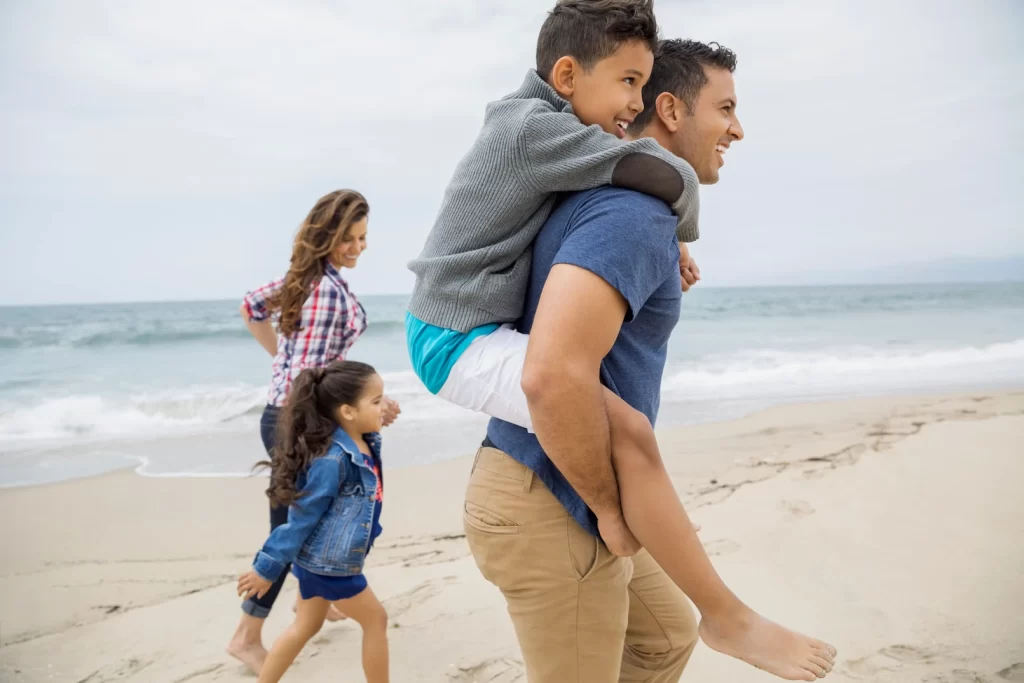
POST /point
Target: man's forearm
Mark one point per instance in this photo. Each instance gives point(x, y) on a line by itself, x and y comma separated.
point(571, 423)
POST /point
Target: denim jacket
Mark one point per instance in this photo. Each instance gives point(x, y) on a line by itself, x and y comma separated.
point(329, 526)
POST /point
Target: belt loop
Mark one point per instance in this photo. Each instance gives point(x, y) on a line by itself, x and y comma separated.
point(528, 481)
point(476, 459)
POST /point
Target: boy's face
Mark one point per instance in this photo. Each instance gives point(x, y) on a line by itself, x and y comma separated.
point(610, 94)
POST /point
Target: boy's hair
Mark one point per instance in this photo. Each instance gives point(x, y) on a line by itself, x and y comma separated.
point(590, 30)
point(679, 69)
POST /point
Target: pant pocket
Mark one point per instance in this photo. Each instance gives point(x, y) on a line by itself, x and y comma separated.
point(487, 521)
point(584, 550)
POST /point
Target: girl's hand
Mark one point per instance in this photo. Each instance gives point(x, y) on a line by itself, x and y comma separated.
point(390, 411)
point(251, 584)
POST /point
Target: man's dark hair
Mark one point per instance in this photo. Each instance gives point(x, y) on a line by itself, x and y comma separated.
point(590, 30)
point(679, 69)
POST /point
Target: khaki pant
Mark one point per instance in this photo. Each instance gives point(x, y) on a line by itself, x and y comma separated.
point(581, 614)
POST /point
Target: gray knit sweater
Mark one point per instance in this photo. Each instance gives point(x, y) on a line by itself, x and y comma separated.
point(475, 266)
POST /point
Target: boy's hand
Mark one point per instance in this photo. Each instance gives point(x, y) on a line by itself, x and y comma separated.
point(251, 584)
point(689, 273)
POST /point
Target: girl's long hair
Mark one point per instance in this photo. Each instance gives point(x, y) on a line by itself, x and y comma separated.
point(305, 426)
point(324, 228)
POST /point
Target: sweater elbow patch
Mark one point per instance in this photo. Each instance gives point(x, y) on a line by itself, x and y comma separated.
point(650, 175)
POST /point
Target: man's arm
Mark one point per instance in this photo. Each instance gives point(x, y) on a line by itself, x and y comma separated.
point(578, 319)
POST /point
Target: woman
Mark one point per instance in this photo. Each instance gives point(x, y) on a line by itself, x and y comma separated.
point(318, 320)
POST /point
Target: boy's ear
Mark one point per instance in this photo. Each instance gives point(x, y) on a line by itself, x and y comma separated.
point(670, 110)
point(563, 76)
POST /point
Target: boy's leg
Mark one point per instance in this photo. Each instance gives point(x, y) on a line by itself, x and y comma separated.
point(566, 594)
point(656, 517)
point(309, 617)
point(487, 377)
point(662, 630)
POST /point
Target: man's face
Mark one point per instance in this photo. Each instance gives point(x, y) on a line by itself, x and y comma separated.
point(708, 130)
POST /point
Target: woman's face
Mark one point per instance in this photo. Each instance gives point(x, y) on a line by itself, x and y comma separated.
point(346, 254)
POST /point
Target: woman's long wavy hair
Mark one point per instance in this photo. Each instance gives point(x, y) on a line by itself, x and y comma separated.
point(323, 230)
point(305, 427)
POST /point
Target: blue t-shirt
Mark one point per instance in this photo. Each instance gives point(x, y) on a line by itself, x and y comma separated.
point(628, 239)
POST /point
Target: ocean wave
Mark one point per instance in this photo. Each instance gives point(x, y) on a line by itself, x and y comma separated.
point(146, 335)
point(133, 335)
point(751, 374)
point(94, 416)
point(771, 372)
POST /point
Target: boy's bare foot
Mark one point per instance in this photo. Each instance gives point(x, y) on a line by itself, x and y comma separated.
point(251, 654)
point(769, 647)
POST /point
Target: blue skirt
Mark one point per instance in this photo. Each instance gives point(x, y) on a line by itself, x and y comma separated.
point(328, 587)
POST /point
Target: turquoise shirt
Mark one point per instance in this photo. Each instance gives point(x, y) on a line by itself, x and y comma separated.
point(435, 350)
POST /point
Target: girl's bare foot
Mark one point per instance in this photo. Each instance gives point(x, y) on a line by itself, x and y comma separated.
point(767, 646)
point(333, 613)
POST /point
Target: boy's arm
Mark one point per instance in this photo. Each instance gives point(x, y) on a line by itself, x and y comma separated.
point(284, 543)
point(560, 154)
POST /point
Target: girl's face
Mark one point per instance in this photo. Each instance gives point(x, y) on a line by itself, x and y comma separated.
point(367, 414)
point(347, 253)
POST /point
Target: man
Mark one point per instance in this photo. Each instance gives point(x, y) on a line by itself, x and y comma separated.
point(608, 266)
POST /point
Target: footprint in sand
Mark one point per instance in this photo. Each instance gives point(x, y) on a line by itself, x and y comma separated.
point(722, 546)
point(500, 670)
point(797, 508)
point(1013, 673)
point(398, 605)
point(890, 659)
point(959, 676)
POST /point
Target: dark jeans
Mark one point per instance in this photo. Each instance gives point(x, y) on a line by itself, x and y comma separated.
point(260, 607)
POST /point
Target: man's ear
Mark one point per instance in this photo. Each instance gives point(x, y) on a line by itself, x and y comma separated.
point(670, 110)
point(563, 76)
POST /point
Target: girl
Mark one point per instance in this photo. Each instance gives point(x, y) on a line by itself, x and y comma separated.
point(326, 470)
point(318, 320)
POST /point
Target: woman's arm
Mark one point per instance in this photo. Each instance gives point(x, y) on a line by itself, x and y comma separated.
point(256, 312)
point(262, 330)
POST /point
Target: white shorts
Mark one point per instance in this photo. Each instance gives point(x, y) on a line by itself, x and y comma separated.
point(486, 378)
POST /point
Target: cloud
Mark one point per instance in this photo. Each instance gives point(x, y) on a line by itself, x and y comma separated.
point(144, 139)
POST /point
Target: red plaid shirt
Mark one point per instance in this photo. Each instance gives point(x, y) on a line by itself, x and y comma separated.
point(331, 321)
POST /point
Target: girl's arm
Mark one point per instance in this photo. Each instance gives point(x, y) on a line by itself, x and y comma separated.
point(284, 543)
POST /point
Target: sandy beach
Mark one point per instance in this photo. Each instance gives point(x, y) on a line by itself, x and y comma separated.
point(892, 527)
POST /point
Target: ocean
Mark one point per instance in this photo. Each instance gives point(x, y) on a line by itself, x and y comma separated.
point(176, 389)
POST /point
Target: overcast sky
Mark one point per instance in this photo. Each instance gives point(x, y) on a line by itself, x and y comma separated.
point(168, 150)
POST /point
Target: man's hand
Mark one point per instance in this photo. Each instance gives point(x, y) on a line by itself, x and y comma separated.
point(617, 536)
point(251, 584)
point(390, 411)
point(689, 273)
